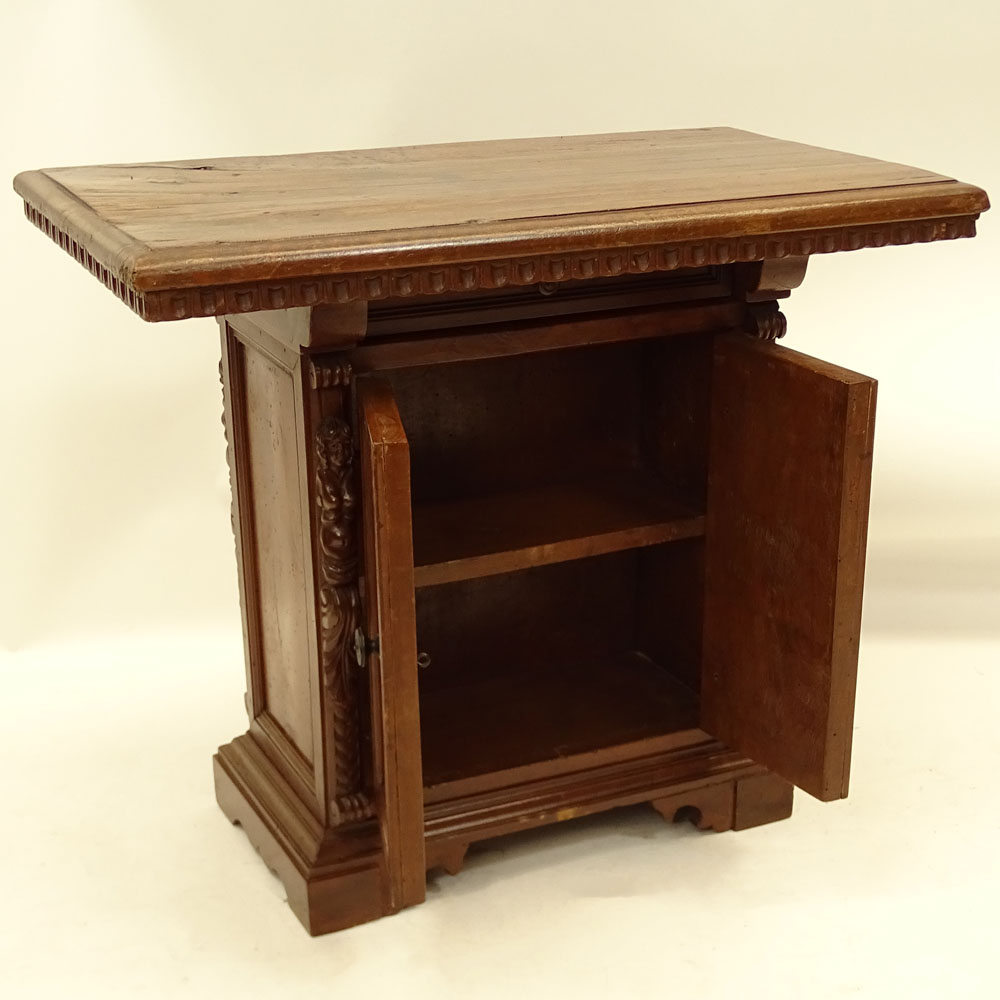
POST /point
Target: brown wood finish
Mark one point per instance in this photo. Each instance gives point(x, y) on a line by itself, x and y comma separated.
point(333, 600)
point(579, 769)
point(770, 279)
point(785, 545)
point(481, 428)
point(683, 774)
point(391, 624)
point(761, 798)
point(529, 337)
point(263, 406)
point(331, 882)
point(670, 596)
point(557, 709)
point(492, 627)
point(465, 538)
point(709, 808)
point(546, 300)
point(326, 328)
point(206, 237)
point(510, 412)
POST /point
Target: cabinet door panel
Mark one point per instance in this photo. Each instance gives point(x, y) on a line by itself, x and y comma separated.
point(789, 478)
point(390, 616)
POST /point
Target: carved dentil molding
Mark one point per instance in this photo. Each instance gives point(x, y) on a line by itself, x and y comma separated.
point(219, 300)
point(329, 374)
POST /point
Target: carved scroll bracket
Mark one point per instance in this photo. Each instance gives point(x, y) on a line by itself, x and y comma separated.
point(765, 321)
point(772, 279)
point(760, 285)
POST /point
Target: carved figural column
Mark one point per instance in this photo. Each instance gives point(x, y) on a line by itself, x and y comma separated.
point(336, 528)
point(337, 550)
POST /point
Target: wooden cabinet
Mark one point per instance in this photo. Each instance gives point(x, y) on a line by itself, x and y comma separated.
point(603, 557)
point(533, 516)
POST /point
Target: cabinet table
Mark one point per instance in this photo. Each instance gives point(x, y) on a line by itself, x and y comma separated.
point(533, 518)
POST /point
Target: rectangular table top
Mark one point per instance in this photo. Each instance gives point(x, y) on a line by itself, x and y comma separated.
point(204, 237)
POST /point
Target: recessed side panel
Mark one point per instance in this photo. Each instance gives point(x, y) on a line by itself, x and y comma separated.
point(266, 426)
point(280, 547)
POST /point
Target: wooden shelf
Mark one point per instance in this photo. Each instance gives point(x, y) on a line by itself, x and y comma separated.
point(550, 712)
point(463, 539)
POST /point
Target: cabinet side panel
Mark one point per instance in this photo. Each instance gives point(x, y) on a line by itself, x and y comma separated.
point(279, 594)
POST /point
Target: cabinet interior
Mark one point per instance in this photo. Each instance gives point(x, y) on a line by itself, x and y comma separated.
point(558, 522)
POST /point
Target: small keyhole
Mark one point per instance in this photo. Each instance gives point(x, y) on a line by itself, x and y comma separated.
point(423, 660)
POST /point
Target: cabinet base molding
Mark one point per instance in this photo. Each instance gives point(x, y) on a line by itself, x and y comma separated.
point(336, 877)
point(731, 805)
point(333, 879)
point(708, 808)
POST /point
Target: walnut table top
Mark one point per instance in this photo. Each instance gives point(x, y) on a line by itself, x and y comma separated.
point(241, 234)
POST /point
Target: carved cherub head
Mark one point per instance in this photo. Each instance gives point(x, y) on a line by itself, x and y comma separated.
point(333, 446)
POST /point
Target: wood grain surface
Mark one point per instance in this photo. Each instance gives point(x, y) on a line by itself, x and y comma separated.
point(559, 708)
point(466, 538)
point(390, 619)
point(790, 473)
point(204, 225)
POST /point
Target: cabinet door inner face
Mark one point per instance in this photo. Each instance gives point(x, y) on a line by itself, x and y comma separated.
point(789, 478)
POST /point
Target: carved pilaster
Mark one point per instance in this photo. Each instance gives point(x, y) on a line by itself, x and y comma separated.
point(339, 606)
point(229, 448)
point(234, 524)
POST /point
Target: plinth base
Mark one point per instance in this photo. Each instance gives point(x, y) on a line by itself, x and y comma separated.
point(333, 878)
point(336, 878)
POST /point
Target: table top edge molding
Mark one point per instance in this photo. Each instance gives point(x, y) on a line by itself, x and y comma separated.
point(111, 261)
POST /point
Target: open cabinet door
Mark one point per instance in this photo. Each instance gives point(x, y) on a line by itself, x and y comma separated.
point(390, 627)
point(789, 478)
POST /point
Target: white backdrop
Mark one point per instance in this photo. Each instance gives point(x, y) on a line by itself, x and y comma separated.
point(118, 603)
